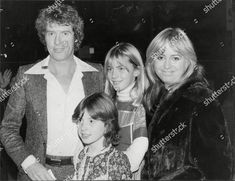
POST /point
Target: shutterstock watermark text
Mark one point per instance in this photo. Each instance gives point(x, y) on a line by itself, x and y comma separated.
point(172, 134)
point(217, 93)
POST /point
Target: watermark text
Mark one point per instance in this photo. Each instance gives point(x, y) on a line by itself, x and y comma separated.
point(168, 137)
point(217, 93)
point(162, 50)
point(5, 93)
point(56, 4)
point(210, 6)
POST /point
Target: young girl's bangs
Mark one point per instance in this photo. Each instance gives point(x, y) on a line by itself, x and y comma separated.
point(95, 111)
point(120, 57)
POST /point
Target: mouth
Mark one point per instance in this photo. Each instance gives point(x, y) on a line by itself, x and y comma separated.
point(58, 50)
point(167, 73)
point(116, 82)
point(85, 136)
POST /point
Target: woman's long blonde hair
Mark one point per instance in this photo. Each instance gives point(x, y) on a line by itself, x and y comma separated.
point(179, 42)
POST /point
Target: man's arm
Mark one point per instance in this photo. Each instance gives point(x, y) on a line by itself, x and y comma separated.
point(11, 123)
point(10, 134)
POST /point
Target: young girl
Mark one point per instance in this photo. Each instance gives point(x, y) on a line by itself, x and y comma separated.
point(124, 72)
point(96, 117)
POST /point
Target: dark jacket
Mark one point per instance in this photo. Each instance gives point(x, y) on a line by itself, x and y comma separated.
point(187, 139)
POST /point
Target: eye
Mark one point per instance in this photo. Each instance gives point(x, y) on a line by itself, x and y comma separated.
point(121, 68)
point(91, 121)
point(176, 58)
point(159, 57)
point(66, 33)
point(109, 69)
point(50, 33)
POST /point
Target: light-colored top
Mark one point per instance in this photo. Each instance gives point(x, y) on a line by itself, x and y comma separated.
point(62, 138)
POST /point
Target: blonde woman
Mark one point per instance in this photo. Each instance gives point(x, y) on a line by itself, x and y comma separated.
point(187, 140)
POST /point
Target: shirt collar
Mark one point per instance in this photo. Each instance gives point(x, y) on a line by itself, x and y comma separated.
point(107, 149)
point(42, 66)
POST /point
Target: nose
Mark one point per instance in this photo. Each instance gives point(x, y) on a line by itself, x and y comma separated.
point(58, 39)
point(167, 63)
point(114, 73)
point(83, 125)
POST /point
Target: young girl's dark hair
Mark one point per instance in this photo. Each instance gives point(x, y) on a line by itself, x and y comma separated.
point(101, 107)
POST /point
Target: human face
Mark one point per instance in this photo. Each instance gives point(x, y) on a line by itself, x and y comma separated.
point(170, 66)
point(91, 130)
point(59, 41)
point(121, 73)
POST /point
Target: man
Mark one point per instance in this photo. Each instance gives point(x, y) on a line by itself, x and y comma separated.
point(54, 87)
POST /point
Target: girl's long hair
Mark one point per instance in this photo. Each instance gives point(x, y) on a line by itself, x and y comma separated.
point(126, 50)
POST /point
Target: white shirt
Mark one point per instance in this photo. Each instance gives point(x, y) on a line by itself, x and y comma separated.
point(62, 138)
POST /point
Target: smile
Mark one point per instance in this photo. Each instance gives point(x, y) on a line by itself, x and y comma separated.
point(116, 82)
point(167, 72)
point(58, 50)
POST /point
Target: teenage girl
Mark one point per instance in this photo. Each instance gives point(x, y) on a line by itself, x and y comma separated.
point(125, 79)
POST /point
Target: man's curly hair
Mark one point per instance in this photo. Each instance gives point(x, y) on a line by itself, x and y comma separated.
point(63, 15)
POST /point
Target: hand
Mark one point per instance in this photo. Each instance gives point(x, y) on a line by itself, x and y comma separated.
point(5, 78)
point(37, 172)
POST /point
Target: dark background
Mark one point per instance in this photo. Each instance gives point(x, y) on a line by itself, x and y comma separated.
point(137, 22)
point(108, 22)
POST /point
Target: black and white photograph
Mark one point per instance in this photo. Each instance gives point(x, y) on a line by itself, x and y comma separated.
point(117, 90)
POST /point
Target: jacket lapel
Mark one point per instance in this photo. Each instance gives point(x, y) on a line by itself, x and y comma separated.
point(87, 81)
point(40, 102)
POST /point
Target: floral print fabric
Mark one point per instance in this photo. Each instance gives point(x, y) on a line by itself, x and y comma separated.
point(110, 164)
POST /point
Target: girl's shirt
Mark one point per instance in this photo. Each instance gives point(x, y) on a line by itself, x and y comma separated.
point(133, 134)
point(110, 164)
point(132, 122)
